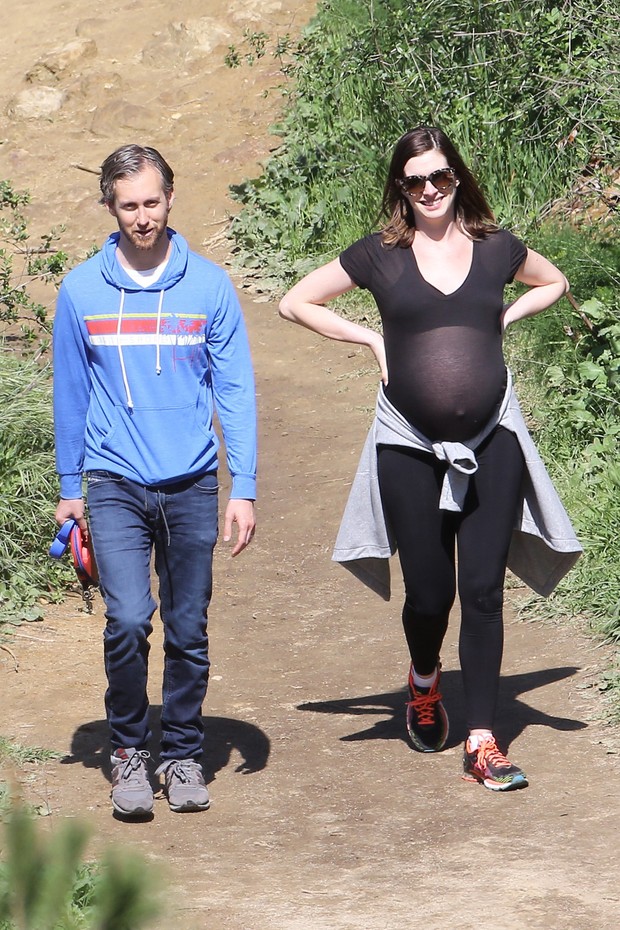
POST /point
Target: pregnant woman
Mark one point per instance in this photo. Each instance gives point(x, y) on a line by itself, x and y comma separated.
point(449, 453)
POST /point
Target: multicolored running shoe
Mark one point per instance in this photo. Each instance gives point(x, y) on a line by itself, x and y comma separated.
point(427, 721)
point(490, 767)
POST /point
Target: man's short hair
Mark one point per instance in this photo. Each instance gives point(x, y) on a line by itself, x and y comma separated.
point(129, 160)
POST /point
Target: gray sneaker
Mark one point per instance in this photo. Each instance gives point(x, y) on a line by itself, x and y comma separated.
point(132, 794)
point(184, 785)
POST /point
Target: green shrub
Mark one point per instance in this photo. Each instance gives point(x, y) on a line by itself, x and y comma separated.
point(527, 90)
point(23, 266)
point(569, 358)
point(28, 488)
point(45, 884)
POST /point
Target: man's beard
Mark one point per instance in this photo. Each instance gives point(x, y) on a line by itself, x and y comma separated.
point(149, 243)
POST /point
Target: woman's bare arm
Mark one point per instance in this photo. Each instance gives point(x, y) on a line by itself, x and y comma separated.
point(305, 304)
point(546, 285)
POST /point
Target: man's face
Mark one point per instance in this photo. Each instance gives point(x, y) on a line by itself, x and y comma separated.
point(141, 208)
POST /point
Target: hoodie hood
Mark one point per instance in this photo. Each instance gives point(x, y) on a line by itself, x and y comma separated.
point(115, 274)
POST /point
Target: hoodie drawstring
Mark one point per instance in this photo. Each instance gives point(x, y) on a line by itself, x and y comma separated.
point(158, 358)
point(120, 346)
point(120, 350)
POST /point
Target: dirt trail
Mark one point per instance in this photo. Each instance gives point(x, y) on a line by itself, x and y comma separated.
point(323, 818)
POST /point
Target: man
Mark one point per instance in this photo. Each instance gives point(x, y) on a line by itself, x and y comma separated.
point(149, 340)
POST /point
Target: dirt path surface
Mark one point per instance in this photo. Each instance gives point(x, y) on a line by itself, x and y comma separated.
point(323, 818)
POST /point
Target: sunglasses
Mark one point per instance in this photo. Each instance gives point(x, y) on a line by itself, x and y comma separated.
point(443, 179)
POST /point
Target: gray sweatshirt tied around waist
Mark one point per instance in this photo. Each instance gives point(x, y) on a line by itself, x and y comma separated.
point(543, 547)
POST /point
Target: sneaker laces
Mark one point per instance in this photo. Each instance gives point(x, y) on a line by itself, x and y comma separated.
point(186, 770)
point(133, 764)
point(424, 706)
point(489, 754)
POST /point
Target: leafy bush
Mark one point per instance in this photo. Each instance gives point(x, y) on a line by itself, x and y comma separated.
point(23, 266)
point(27, 477)
point(527, 89)
point(45, 882)
point(570, 360)
point(46, 885)
point(28, 488)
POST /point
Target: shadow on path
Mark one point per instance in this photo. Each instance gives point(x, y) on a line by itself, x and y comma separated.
point(513, 715)
point(90, 745)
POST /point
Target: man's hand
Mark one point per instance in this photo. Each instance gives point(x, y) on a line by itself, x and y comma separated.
point(72, 510)
point(240, 512)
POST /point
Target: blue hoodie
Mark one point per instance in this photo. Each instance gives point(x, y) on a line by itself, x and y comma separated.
point(139, 372)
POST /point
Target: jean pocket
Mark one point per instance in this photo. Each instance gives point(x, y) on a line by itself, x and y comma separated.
point(207, 484)
point(101, 477)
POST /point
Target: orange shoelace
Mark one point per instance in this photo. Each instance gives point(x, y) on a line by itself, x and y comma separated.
point(424, 706)
point(489, 754)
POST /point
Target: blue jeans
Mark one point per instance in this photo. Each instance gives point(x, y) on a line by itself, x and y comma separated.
point(180, 521)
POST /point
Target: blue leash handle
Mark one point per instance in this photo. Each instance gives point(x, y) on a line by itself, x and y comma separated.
point(61, 540)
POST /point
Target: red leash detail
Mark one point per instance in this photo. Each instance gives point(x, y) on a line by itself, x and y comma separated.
point(83, 559)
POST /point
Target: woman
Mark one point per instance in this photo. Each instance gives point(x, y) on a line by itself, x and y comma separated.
point(449, 460)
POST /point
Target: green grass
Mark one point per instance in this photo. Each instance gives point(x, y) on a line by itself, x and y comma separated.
point(46, 884)
point(567, 362)
point(528, 91)
point(21, 755)
point(28, 488)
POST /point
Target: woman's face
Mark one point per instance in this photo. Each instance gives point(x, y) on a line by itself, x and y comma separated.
point(430, 203)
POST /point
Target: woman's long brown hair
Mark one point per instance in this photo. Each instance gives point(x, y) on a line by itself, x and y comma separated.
point(473, 213)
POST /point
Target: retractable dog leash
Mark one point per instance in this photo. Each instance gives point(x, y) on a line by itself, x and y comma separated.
point(70, 537)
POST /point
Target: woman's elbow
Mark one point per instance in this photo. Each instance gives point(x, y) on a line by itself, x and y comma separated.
point(284, 309)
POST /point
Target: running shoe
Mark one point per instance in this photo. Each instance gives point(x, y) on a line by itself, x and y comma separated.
point(490, 767)
point(184, 785)
point(427, 721)
point(132, 795)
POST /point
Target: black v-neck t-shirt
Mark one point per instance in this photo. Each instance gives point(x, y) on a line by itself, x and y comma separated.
point(444, 351)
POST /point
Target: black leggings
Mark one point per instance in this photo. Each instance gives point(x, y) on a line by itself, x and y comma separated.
point(410, 485)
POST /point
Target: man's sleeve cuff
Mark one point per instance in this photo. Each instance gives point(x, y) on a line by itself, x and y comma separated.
point(243, 488)
point(71, 487)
